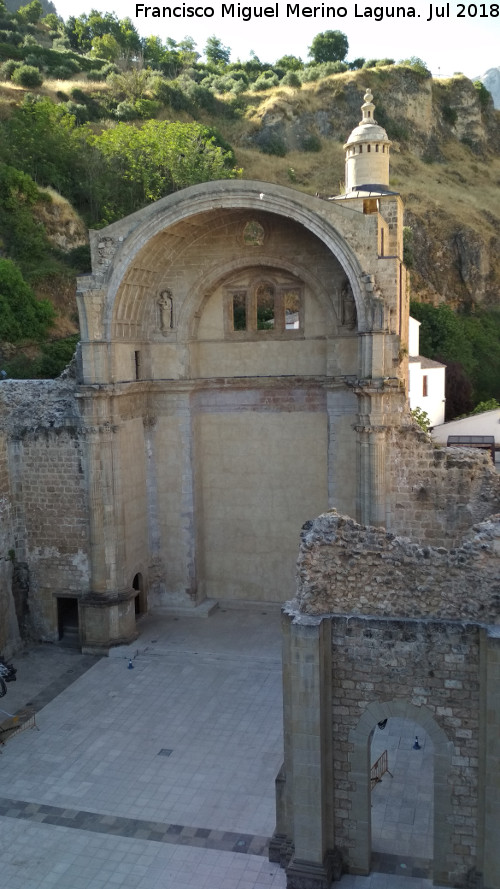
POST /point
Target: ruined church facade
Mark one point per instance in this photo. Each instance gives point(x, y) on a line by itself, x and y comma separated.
point(243, 353)
point(242, 369)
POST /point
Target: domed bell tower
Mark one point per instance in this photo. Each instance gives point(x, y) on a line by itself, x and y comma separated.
point(367, 153)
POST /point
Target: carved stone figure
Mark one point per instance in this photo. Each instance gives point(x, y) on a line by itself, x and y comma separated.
point(166, 306)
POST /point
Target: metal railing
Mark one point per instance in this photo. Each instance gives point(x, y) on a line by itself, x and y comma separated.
point(378, 769)
point(16, 723)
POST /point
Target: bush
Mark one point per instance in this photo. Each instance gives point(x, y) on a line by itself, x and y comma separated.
point(417, 65)
point(56, 356)
point(449, 115)
point(11, 37)
point(79, 111)
point(274, 145)
point(28, 76)
point(125, 111)
point(61, 73)
point(265, 81)
point(484, 95)
point(146, 108)
point(33, 61)
point(22, 316)
point(311, 142)
point(8, 68)
point(292, 79)
point(317, 72)
point(95, 75)
point(60, 42)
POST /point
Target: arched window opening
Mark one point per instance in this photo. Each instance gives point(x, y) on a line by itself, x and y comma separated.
point(239, 309)
point(273, 306)
point(265, 298)
point(291, 305)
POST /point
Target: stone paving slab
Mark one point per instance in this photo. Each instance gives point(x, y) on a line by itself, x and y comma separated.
point(157, 776)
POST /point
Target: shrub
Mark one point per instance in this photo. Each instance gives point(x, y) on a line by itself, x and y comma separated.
point(125, 111)
point(28, 76)
point(265, 81)
point(11, 37)
point(292, 79)
point(8, 68)
point(421, 418)
point(60, 42)
point(274, 145)
point(22, 316)
point(449, 115)
point(317, 72)
point(79, 111)
point(61, 73)
point(56, 356)
point(146, 108)
point(484, 95)
point(417, 65)
point(95, 75)
point(311, 142)
point(78, 95)
point(33, 61)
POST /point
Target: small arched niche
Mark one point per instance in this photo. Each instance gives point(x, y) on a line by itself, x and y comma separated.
point(140, 599)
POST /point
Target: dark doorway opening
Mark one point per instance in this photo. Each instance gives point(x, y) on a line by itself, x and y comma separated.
point(68, 624)
point(140, 597)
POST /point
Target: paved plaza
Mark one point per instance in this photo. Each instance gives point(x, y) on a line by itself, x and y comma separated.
point(154, 768)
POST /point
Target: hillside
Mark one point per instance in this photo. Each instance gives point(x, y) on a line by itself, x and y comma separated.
point(445, 162)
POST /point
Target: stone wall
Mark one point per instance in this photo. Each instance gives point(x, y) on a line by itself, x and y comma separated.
point(44, 514)
point(349, 568)
point(54, 513)
point(434, 666)
point(436, 494)
point(9, 629)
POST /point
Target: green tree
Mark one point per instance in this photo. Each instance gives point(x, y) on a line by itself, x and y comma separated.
point(143, 164)
point(31, 13)
point(153, 50)
point(329, 46)
point(40, 139)
point(290, 63)
point(27, 76)
point(216, 52)
point(22, 316)
point(106, 47)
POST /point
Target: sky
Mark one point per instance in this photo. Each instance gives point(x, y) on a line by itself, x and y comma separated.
point(466, 39)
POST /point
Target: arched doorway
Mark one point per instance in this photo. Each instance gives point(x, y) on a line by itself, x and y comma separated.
point(141, 605)
point(402, 798)
point(422, 722)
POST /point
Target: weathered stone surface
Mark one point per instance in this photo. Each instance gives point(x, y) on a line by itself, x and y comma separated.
point(349, 568)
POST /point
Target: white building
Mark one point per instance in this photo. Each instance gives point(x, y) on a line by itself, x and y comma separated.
point(426, 379)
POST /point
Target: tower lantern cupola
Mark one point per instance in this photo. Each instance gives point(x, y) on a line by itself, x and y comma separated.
point(367, 153)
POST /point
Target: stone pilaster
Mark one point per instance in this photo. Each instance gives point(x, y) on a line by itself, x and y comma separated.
point(107, 612)
point(309, 769)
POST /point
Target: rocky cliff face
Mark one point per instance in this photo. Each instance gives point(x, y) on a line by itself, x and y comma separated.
point(491, 80)
point(445, 162)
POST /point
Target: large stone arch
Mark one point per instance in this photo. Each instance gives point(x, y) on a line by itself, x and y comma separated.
point(359, 737)
point(335, 227)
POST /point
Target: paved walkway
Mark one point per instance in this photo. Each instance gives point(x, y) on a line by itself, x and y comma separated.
point(161, 775)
